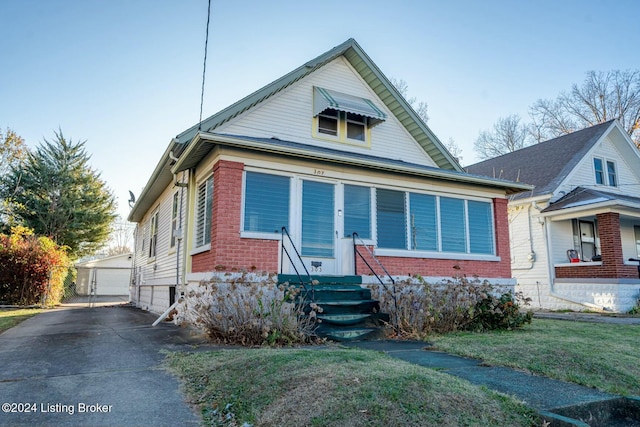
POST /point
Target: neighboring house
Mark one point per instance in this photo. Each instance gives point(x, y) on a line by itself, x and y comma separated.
point(329, 149)
point(104, 276)
point(573, 235)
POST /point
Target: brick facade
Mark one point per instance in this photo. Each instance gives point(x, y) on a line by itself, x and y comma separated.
point(448, 267)
point(229, 252)
point(612, 258)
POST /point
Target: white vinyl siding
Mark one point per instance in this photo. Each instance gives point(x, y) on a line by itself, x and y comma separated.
point(204, 200)
point(288, 115)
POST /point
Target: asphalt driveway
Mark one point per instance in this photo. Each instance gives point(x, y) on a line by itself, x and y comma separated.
point(97, 366)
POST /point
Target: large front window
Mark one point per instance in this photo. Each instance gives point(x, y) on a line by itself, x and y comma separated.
point(357, 211)
point(434, 223)
point(266, 202)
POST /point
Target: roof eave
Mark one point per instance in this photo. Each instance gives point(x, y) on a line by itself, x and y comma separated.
point(160, 178)
point(188, 160)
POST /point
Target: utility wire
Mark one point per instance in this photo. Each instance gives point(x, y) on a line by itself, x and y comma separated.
point(204, 65)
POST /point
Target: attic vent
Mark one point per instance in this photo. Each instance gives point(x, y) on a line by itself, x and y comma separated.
point(324, 99)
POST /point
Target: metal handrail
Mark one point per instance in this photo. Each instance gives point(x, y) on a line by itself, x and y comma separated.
point(284, 250)
point(357, 253)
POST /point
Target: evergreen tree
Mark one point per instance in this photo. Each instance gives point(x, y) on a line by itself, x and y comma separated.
point(60, 196)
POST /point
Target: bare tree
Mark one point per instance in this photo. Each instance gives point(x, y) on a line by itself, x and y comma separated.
point(120, 238)
point(454, 149)
point(603, 96)
point(508, 135)
point(420, 107)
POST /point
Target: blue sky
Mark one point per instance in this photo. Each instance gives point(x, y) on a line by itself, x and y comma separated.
point(125, 75)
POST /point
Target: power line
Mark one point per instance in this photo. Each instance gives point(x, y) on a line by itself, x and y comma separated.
point(204, 65)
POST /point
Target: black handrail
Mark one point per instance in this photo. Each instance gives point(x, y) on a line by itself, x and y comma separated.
point(356, 253)
point(284, 250)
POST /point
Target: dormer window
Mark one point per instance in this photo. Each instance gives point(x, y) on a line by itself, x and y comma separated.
point(604, 176)
point(343, 117)
point(328, 122)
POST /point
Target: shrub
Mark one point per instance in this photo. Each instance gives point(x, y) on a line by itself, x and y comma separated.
point(247, 309)
point(33, 269)
point(418, 309)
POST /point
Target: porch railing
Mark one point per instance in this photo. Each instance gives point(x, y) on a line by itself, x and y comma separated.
point(285, 251)
point(356, 254)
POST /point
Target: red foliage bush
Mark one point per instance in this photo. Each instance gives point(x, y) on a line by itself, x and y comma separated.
point(33, 269)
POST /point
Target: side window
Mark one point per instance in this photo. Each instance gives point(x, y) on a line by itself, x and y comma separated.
point(262, 216)
point(174, 219)
point(611, 174)
point(636, 228)
point(599, 170)
point(204, 211)
point(357, 211)
point(153, 235)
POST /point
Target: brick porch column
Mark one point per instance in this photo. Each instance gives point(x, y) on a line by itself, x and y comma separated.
point(610, 243)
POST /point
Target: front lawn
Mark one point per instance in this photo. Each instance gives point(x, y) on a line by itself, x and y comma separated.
point(10, 317)
point(604, 356)
point(334, 387)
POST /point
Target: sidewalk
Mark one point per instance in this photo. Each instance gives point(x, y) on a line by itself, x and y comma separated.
point(618, 319)
point(541, 393)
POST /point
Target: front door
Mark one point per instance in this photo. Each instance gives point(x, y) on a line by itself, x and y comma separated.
point(318, 227)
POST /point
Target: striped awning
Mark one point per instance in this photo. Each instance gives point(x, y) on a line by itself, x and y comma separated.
point(324, 99)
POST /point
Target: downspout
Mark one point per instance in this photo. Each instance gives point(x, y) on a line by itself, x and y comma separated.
point(551, 275)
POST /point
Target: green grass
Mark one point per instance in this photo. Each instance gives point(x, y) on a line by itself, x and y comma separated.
point(335, 387)
point(604, 356)
point(10, 317)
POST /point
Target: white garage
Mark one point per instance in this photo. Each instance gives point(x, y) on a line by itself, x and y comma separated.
point(104, 276)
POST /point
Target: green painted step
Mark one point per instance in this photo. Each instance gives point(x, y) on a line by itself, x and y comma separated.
point(293, 279)
point(343, 319)
point(351, 334)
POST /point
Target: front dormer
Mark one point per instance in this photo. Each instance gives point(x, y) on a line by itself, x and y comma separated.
point(344, 118)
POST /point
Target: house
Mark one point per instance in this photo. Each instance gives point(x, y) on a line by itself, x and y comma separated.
point(573, 235)
point(104, 276)
point(329, 149)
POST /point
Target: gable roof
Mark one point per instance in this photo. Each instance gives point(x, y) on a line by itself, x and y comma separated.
point(369, 72)
point(544, 165)
point(162, 176)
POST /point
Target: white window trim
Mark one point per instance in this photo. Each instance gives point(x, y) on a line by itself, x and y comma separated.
point(405, 253)
point(257, 234)
point(155, 218)
point(605, 171)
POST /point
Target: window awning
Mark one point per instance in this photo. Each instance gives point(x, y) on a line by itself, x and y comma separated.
point(324, 99)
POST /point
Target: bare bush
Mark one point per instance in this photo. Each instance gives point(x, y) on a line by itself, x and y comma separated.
point(421, 309)
point(247, 309)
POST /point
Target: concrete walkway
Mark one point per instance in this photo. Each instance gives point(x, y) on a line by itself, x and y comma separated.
point(92, 367)
point(538, 392)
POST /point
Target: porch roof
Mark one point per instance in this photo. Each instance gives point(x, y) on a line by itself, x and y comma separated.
point(204, 142)
point(582, 199)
